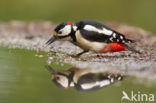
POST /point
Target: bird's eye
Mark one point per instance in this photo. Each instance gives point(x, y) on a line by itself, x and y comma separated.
point(60, 32)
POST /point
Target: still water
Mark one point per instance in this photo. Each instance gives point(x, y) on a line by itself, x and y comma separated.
point(24, 79)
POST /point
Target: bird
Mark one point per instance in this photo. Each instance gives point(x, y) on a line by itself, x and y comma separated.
point(91, 35)
point(83, 79)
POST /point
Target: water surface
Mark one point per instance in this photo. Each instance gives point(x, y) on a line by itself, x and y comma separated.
point(24, 79)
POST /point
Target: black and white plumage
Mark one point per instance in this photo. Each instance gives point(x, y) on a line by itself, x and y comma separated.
point(83, 79)
point(92, 35)
point(97, 32)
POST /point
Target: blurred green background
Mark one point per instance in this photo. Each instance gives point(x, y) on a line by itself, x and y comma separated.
point(141, 13)
point(23, 77)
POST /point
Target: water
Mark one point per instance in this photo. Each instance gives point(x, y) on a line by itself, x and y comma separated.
point(23, 78)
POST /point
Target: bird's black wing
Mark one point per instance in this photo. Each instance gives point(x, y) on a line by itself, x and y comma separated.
point(94, 36)
point(100, 33)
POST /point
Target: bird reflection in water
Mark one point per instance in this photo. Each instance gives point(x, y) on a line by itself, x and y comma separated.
point(83, 79)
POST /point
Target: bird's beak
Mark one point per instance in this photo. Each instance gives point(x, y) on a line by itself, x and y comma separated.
point(51, 40)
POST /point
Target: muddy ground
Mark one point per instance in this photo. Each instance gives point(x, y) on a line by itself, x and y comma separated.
point(33, 35)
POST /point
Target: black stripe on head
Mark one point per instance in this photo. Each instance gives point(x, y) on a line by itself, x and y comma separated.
point(55, 81)
point(70, 76)
point(57, 84)
point(59, 73)
point(61, 37)
point(60, 26)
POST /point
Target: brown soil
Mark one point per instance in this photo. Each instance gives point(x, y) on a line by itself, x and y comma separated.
point(33, 35)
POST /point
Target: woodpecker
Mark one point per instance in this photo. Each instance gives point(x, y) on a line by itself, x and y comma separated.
point(83, 79)
point(92, 35)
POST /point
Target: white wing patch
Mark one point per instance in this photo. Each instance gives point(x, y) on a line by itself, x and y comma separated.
point(121, 37)
point(119, 78)
point(111, 39)
point(75, 28)
point(112, 80)
point(114, 35)
point(98, 83)
point(92, 28)
point(72, 84)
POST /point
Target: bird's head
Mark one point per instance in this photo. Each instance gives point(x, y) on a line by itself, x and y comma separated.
point(62, 32)
point(59, 78)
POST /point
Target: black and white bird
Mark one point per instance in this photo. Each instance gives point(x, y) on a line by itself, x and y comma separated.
point(83, 79)
point(91, 35)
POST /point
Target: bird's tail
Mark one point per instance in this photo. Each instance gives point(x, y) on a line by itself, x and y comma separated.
point(131, 49)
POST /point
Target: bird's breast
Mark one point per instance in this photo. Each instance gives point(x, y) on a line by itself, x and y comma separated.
point(88, 45)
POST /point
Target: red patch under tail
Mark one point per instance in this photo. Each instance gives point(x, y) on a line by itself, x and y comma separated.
point(113, 47)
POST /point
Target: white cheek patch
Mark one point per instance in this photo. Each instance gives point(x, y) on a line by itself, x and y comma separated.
point(63, 81)
point(66, 30)
point(92, 28)
point(98, 83)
